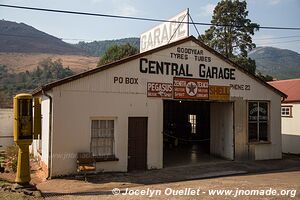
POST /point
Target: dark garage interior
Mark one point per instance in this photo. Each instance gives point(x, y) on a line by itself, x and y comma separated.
point(186, 132)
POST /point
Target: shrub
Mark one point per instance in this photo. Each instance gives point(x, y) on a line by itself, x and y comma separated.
point(12, 157)
point(12, 151)
point(14, 165)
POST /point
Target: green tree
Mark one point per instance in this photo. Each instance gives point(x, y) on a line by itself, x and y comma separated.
point(13, 83)
point(4, 101)
point(231, 33)
point(265, 77)
point(117, 52)
point(247, 63)
point(3, 71)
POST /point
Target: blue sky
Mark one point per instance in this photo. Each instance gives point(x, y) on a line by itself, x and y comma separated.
point(284, 13)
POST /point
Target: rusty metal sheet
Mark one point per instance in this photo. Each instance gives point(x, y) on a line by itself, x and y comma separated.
point(189, 88)
point(163, 90)
point(217, 92)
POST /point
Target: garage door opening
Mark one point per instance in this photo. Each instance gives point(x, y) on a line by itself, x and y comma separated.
point(194, 132)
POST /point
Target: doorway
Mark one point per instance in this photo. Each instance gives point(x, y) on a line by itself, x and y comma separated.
point(197, 132)
point(186, 132)
point(137, 143)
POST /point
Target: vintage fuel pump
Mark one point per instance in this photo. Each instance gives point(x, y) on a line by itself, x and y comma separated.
point(23, 132)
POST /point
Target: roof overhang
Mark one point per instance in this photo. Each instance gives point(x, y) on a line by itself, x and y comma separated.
point(136, 56)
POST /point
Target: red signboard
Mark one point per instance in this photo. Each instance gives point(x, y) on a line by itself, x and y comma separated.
point(189, 88)
point(164, 90)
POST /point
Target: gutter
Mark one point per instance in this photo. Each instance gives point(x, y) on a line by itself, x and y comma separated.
point(50, 131)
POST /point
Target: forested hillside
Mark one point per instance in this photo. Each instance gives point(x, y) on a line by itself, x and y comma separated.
point(97, 48)
point(13, 83)
point(279, 63)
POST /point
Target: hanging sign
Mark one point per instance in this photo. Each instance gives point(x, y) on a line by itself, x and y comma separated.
point(189, 88)
point(166, 32)
point(217, 92)
point(164, 90)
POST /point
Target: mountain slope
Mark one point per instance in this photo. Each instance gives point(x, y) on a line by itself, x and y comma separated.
point(28, 41)
point(279, 63)
point(97, 48)
point(22, 38)
point(22, 62)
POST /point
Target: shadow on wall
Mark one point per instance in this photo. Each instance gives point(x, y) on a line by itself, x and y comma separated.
point(291, 143)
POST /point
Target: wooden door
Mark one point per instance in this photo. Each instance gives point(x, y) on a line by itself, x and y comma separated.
point(243, 151)
point(137, 143)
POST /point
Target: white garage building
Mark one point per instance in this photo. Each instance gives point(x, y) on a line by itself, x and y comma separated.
point(181, 101)
point(290, 114)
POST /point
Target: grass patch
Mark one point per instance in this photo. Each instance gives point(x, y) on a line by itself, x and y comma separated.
point(3, 182)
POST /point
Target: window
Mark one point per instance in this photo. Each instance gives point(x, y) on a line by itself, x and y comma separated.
point(258, 121)
point(102, 141)
point(192, 120)
point(286, 111)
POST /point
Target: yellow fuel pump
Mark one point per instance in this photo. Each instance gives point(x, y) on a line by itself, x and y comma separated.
point(23, 133)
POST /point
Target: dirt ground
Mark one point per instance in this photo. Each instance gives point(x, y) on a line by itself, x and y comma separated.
point(13, 196)
point(279, 176)
point(238, 177)
point(276, 181)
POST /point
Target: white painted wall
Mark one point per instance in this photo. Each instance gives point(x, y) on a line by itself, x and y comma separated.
point(45, 110)
point(291, 130)
point(96, 95)
point(72, 133)
point(6, 127)
point(221, 130)
point(35, 146)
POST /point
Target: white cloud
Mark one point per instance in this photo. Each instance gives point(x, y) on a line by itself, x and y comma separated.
point(118, 7)
point(208, 9)
point(124, 7)
point(97, 1)
point(127, 10)
point(263, 40)
point(274, 2)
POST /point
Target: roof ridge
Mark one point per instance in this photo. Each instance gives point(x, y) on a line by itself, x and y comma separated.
point(286, 80)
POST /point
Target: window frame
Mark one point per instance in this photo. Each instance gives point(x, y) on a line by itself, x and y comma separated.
point(290, 110)
point(268, 141)
point(193, 122)
point(111, 157)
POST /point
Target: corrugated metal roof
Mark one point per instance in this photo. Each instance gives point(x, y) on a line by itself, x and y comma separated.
point(291, 87)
